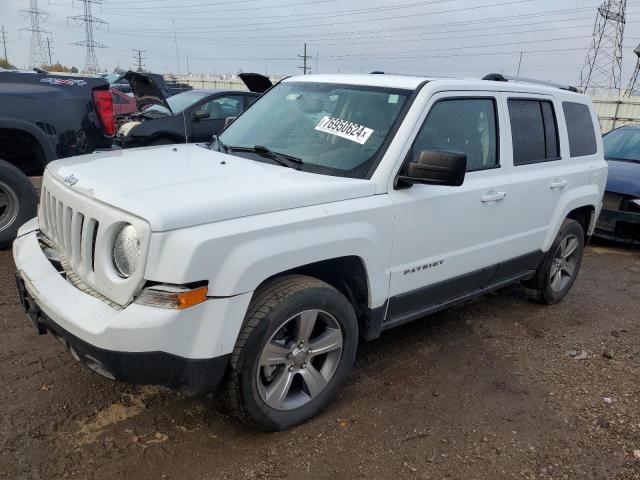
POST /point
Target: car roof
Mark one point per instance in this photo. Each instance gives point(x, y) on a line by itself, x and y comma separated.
point(411, 82)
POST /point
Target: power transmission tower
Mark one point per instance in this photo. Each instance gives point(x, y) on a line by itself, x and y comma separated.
point(633, 87)
point(4, 43)
point(305, 57)
point(603, 65)
point(138, 58)
point(37, 55)
point(49, 51)
point(88, 21)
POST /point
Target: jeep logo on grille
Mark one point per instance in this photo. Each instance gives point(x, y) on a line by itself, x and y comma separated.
point(71, 180)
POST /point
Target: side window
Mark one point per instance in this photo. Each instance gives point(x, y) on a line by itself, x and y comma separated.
point(582, 137)
point(223, 107)
point(534, 131)
point(250, 99)
point(466, 125)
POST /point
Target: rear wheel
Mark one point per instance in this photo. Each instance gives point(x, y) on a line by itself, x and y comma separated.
point(18, 202)
point(293, 354)
point(559, 270)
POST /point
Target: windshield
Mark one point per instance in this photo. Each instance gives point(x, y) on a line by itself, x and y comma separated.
point(333, 129)
point(179, 102)
point(112, 77)
point(622, 144)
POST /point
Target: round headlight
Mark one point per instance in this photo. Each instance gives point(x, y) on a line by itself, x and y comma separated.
point(126, 251)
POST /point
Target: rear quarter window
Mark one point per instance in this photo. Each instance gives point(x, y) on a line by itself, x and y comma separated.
point(582, 136)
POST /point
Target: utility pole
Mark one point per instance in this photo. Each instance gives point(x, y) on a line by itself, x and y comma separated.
point(49, 51)
point(37, 56)
point(88, 21)
point(603, 65)
point(139, 59)
point(304, 58)
point(4, 42)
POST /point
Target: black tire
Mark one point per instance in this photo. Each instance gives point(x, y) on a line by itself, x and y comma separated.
point(271, 308)
point(541, 283)
point(18, 202)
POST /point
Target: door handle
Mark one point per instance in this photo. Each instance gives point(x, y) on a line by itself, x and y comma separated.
point(493, 196)
point(558, 183)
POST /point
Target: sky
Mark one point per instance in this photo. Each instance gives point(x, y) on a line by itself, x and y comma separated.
point(463, 38)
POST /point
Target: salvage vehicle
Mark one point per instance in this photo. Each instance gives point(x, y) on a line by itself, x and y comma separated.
point(123, 103)
point(620, 216)
point(193, 116)
point(335, 208)
point(44, 117)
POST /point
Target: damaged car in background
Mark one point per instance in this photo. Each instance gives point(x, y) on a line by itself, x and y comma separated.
point(620, 217)
point(193, 116)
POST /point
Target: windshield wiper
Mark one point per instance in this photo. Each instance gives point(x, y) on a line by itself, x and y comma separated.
point(280, 158)
point(219, 144)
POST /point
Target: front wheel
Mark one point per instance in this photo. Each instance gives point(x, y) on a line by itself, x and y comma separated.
point(293, 354)
point(559, 270)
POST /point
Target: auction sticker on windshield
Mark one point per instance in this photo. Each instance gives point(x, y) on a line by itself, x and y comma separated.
point(342, 128)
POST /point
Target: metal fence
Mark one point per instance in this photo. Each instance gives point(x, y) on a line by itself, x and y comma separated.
point(615, 112)
point(231, 82)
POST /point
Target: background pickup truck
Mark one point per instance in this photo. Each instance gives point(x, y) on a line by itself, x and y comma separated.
point(44, 117)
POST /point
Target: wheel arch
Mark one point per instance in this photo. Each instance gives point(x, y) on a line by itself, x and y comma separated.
point(41, 149)
point(581, 204)
point(346, 274)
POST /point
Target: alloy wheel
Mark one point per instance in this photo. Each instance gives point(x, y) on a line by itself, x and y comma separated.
point(564, 263)
point(8, 206)
point(299, 360)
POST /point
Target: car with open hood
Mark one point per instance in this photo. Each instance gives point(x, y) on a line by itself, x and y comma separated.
point(335, 208)
point(620, 217)
point(192, 116)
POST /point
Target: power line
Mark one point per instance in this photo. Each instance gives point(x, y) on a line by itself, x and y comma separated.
point(88, 21)
point(37, 56)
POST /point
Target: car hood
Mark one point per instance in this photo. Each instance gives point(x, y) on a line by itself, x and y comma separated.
point(624, 178)
point(179, 186)
point(145, 90)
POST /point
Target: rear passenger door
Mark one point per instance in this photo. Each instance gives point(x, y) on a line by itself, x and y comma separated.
point(537, 172)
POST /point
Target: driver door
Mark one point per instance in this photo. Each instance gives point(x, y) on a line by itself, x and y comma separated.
point(449, 241)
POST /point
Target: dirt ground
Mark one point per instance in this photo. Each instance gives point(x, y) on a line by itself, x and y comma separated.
point(484, 391)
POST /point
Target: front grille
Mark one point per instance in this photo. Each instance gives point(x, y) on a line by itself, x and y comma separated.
point(612, 201)
point(81, 228)
point(70, 230)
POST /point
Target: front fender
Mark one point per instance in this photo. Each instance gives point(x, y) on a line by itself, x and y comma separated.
point(235, 256)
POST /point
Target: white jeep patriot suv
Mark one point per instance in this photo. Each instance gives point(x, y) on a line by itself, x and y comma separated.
point(334, 208)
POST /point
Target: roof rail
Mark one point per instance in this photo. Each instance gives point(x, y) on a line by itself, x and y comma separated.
point(498, 77)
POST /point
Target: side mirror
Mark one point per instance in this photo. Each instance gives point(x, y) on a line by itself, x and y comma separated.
point(200, 115)
point(436, 167)
point(228, 121)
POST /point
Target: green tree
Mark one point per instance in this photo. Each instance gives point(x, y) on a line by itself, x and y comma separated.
point(4, 63)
